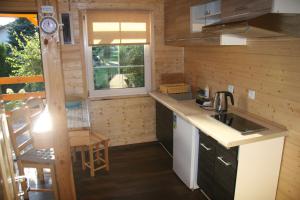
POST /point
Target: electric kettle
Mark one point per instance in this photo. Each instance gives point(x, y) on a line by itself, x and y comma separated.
point(220, 101)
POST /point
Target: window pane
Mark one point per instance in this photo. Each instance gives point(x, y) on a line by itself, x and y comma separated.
point(118, 66)
point(105, 56)
point(134, 75)
point(132, 55)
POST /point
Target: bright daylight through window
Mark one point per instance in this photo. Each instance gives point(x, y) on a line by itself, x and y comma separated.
point(117, 52)
point(118, 66)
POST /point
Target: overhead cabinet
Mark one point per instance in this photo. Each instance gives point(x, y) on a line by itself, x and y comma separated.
point(237, 9)
point(177, 20)
point(205, 14)
point(182, 19)
point(170, 20)
point(190, 22)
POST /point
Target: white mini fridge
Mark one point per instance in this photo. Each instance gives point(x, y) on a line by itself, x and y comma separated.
point(185, 151)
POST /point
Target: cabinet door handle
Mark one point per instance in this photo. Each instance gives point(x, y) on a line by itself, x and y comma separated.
point(220, 158)
point(205, 147)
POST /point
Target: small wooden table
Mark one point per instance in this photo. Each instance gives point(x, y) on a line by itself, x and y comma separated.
point(80, 136)
point(94, 144)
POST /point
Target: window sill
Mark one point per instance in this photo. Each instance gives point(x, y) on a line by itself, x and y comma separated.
point(118, 97)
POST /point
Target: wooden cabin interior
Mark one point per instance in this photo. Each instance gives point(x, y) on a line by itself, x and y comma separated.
point(150, 99)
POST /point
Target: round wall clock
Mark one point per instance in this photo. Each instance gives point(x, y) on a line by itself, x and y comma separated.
point(49, 25)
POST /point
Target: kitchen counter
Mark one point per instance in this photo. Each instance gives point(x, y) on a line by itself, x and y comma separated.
point(225, 135)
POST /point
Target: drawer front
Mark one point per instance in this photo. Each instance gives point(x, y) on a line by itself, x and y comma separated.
point(217, 168)
point(221, 194)
point(206, 184)
point(225, 170)
point(225, 176)
point(228, 155)
point(207, 152)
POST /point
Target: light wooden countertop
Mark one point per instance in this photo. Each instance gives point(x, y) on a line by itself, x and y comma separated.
point(225, 135)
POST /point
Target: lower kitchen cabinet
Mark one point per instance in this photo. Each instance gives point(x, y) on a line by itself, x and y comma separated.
point(246, 172)
point(164, 126)
point(216, 169)
point(206, 164)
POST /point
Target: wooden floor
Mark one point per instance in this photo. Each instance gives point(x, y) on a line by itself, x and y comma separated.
point(138, 172)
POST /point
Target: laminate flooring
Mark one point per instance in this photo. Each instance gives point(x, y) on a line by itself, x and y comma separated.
point(137, 172)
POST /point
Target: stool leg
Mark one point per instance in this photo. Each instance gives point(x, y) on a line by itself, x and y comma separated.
point(83, 158)
point(73, 150)
point(40, 174)
point(92, 168)
point(25, 184)
point(106, 156)
point(54, 183)
point(98, 154)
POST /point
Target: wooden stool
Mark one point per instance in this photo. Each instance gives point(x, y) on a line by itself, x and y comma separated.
point(95, 145)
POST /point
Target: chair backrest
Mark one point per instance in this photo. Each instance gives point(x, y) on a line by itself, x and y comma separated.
point(35, 105)
point(19, 125)
point(9, 188)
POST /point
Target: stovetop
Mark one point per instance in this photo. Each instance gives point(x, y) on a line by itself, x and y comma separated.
point(241, 124)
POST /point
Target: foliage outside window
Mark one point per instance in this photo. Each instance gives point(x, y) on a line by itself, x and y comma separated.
point(118, 66)
point(20, 56)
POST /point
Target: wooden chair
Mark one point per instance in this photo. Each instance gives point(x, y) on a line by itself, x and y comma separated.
point(96, 146)
point(35, 105)
point(9, 180)
point(19, 124)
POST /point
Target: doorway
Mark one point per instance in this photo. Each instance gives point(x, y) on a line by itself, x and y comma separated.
point(21, 70)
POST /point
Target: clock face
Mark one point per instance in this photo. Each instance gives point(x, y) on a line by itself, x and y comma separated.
point(49, 25)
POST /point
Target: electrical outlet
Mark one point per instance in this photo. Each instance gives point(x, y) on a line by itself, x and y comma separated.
point(251, 94)
point(230, 88)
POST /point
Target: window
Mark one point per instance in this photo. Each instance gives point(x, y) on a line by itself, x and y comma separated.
point(66, 29)
point(118, 67)
point(117, 53)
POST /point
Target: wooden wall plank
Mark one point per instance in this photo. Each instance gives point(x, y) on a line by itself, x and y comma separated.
point(271, 68)
point(139, 126)
point(124, 121)
point(18, 6)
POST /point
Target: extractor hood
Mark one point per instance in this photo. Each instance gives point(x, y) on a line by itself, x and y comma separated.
point(246, 19)
point(267, 25)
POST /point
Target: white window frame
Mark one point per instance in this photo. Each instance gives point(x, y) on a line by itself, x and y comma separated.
point(71, 28)
point(110, 92)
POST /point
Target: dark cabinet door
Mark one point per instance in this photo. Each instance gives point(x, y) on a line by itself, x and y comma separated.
point(225, 172)
point(206, 164)
point(164, 126)
point(217, 168)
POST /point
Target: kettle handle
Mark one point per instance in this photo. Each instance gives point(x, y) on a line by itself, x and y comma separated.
point(229, 94)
